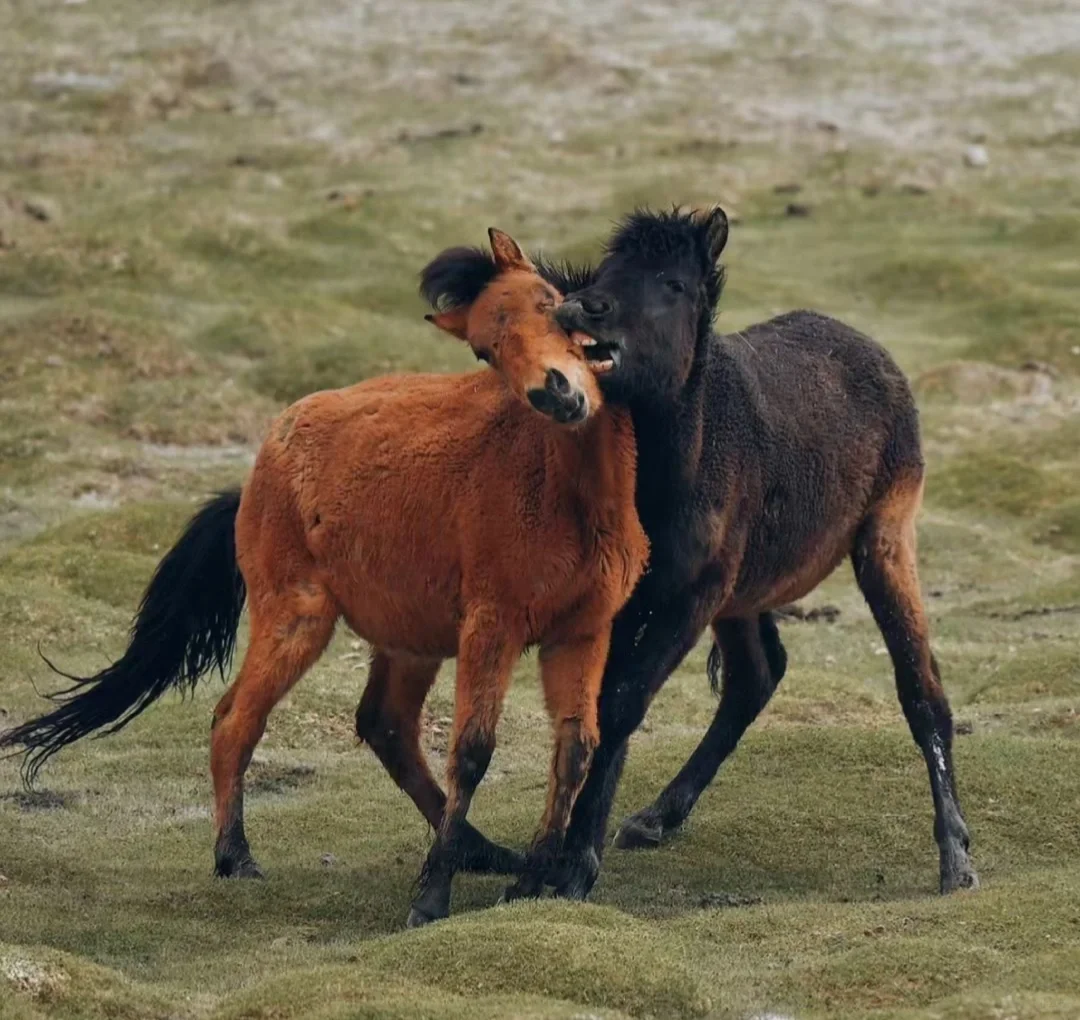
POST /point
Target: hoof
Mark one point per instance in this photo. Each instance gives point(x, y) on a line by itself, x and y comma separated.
point(417, 918)
point(577, 876)
point(642, 831)
point(245, 867)
point(520, 890)
point(959, 878)
point(957, 871)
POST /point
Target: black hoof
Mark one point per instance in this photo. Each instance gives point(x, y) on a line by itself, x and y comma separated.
point(242, 867)
point(577, 875)
point(642, 831)
point(957, 871)
point(417, 918)
point(957, 879)
point(521, 890)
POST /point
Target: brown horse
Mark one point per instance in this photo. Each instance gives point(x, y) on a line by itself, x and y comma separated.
point(439, 516)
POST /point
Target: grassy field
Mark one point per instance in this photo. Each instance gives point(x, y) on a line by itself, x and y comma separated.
point(209, 209)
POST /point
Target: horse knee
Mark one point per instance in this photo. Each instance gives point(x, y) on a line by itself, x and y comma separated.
point(472, 755)
point(368, 721)
point(222, 708)
point(775, 652)
point(576, 743)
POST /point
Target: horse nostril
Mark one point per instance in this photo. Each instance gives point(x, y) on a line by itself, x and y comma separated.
point(595, 307)
point(557, 383)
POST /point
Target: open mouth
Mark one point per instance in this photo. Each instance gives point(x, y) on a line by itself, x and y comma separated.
point(601, 355)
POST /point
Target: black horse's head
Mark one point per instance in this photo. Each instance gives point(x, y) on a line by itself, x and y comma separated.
point(651, 301)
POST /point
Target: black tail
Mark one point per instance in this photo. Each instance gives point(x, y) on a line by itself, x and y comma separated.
point(186, 624)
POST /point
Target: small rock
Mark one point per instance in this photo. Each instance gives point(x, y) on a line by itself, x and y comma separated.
point(328, 860)
point(54, 361)
point(557, 136)
point(216, 72)
point(264, 101)
point(1040, 366)
point(976, 156)
point(913, 186)
point(964, 728)
point(796, 209)
point(53, 83)
point(40, 209)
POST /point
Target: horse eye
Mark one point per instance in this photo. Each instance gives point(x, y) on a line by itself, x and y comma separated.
point(483, 356)
point(675, 286)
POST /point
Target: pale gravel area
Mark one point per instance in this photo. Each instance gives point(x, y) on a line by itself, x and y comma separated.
point(767, 70)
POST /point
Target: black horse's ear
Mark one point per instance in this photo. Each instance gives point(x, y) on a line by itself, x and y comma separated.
point(716, 232)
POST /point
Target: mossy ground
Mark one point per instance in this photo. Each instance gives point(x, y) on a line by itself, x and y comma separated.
point(232, 213)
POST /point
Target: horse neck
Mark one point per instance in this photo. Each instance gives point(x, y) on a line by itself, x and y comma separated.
point(596, 460)
point(670, 433)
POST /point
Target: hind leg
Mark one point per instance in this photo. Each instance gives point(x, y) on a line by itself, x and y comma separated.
point(885, 568)
point(288, 633)
point(388, 721)
point(753, 661)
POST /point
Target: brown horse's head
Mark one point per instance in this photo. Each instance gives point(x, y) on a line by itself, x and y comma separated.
point(502, 308)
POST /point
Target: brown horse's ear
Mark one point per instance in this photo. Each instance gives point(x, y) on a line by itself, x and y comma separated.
point(453, 320)
point(716, 232)
point(507, 252)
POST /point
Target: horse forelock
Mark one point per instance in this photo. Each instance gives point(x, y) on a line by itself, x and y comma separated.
point(457, 277)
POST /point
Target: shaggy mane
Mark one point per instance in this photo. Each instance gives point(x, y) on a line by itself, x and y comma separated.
point(667, 237)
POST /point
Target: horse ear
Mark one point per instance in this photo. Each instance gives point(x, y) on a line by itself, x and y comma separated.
point(453, 320)
point(507, 252)
point(716, 232)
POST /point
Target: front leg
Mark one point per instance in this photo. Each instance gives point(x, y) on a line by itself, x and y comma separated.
point(571, 675)
point(488, 651)
point(642, 657)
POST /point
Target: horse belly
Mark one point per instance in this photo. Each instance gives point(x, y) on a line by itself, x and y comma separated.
point(396, 590)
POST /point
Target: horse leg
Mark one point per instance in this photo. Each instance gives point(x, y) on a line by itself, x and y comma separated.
point(639, 665)
point(571, 675)
point(885, 568)
point(752, 661)
point(485, 659)
point(287, 635)
point(388, 721)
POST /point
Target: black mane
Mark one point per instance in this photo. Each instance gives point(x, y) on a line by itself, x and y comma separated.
point(564, 276)
point(458, 276)
point(669, 237)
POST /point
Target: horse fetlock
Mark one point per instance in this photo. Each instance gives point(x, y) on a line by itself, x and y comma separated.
point(643, 830)
point(957, 871)
point(476, 853)
point(432, 904)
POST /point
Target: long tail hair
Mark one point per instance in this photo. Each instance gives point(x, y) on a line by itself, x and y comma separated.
point(186, 625)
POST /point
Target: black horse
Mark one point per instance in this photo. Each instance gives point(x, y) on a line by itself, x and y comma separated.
point(764, 458)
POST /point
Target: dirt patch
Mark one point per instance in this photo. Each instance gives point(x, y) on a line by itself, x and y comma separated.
point(716, 900)
point(265, 777)
point(36, 800)
point(31, 978)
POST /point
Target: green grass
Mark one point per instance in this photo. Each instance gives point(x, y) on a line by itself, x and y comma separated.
point(221, 238)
